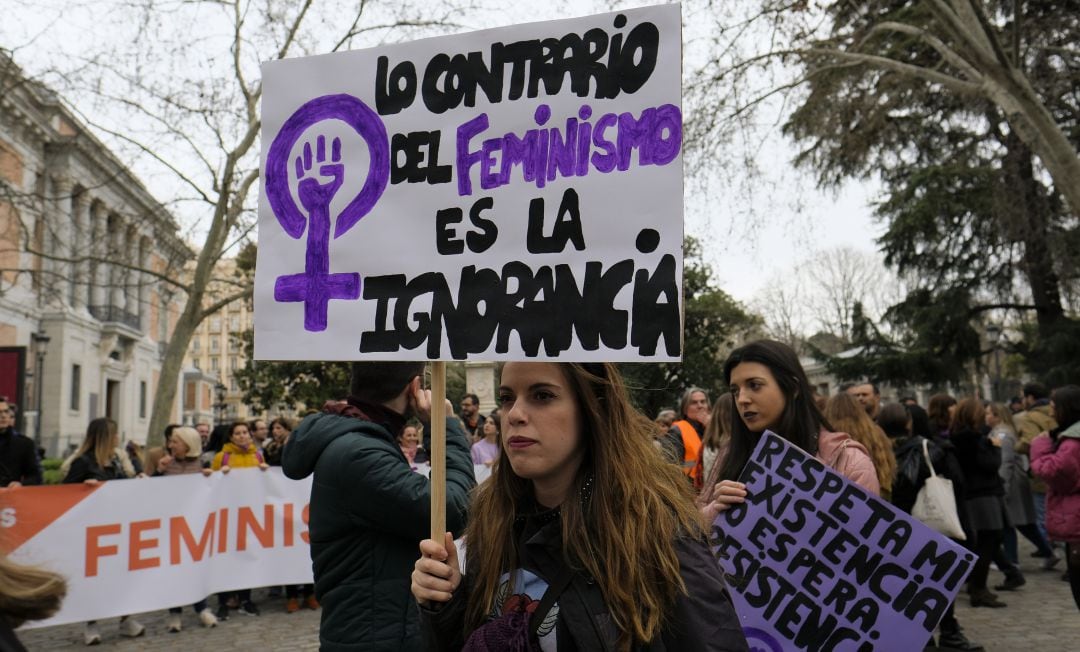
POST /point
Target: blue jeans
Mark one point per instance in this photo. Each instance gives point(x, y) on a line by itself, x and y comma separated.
point(1040, 514)
point(1032, 534)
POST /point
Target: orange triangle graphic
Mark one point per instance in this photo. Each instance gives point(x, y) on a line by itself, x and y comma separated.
point(25, 511)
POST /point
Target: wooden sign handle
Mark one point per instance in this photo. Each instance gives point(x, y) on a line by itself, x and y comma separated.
point(438, 450)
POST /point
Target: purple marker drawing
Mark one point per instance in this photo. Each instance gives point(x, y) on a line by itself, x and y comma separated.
point(761, 641)
point(316, 286)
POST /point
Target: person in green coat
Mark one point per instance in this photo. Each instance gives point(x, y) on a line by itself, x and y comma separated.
point(368, 510)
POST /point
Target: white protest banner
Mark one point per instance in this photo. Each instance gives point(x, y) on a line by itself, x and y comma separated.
point(160, 542)
point(815, 562)
point(513, 193)
point(480, 471)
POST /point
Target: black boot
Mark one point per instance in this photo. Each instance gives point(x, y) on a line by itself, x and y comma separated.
point(984, 598)
point(954, 639)
point(1013, 581)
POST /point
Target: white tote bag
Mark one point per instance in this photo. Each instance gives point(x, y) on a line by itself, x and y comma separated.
point(935, 505)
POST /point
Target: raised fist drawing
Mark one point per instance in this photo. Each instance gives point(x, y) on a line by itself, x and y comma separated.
point(316, 195)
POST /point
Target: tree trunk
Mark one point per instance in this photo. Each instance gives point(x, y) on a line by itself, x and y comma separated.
point(1028, 218)
point(191, 316)
point(1038, 129)
point(175, 351)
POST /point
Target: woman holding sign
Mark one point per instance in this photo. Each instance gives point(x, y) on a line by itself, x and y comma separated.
point(584, 538)
point(772, 393)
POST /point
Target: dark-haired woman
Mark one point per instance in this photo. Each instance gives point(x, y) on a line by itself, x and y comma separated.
point(899, 423)
point(486, 450)
point(280, 429)
point(772, 393)
point(1055, 457)
point(295, 594)
point(219, 436)
point(583, 538)
point(100, 459)
point(980, 460)
point(940, 409)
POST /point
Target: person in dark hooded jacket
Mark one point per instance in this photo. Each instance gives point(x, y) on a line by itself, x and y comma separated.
point(908, 427)
point(369, 511)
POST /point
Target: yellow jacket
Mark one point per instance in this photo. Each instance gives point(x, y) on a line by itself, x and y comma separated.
point(237, 457)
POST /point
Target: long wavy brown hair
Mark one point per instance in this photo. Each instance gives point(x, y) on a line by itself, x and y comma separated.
point(622, 536)
point(718, 431)
point(28, 593)
point(969, 415)
point(848, 415)
point(101, 439)
point(938, 411)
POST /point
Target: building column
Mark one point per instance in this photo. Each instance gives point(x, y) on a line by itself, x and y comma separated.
point(80, 208)
point(62, 226)
point(99, 270)
point(142, 304)
point(116, 272)
point(47, 239)
point(131, 278)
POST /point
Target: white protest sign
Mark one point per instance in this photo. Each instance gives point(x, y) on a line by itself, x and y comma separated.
point(512, 193)
point(160, 542)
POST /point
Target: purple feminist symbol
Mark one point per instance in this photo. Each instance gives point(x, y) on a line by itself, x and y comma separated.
point(320, 176)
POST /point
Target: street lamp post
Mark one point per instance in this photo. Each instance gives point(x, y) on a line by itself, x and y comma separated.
point(993, 334)
point(219, 407)
point(41, 340)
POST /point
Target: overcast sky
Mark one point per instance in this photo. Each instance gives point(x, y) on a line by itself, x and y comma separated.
point(748, 238)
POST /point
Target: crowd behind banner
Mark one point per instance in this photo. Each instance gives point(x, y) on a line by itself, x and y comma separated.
point(1014, 469)
point(202, 450)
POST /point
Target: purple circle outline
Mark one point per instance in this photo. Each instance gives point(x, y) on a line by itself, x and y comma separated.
point(357, 115)
point(763, 637)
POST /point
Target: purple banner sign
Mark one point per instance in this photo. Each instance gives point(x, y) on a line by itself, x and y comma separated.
point(815, 562)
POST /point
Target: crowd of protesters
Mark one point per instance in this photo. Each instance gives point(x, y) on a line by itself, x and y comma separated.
point(187, 450)
point(563, 438)
point(1014, 468)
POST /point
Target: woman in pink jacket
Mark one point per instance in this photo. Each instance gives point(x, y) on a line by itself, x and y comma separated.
point(1055, 457)
point(772, 393)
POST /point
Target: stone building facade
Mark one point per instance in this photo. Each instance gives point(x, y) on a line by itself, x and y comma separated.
point(216, 351)
point(86, 258)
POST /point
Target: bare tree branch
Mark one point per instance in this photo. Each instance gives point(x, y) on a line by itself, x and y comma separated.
point(885, 63)
point(154, 155)
point(939, 46)
point(216, 306)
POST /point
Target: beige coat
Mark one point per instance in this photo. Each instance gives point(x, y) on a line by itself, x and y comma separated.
point(1029, 424)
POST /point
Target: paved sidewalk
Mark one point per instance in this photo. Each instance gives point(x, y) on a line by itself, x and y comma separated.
point(1040, 617)
point(273, 630)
